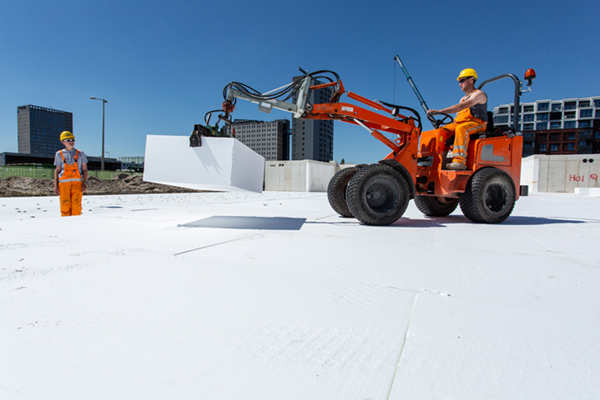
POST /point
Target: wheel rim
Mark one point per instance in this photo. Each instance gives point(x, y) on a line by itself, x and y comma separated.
point(496, 197)
point(381, 195)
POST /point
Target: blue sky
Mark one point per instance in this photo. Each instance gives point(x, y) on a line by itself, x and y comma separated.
point(161, 65)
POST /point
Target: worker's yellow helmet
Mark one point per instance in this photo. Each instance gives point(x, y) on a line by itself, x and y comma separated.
point(66, 135)
point(467, 72)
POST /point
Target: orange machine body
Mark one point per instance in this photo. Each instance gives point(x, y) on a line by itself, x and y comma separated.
point(501, 152)
point(410, 145)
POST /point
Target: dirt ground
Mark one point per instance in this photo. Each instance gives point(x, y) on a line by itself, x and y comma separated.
point(16, 186)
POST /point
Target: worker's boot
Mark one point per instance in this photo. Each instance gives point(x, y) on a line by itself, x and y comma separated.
point(456, 166)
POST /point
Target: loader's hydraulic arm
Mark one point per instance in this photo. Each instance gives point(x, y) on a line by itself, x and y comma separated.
point(374, 122)
point(299, 93)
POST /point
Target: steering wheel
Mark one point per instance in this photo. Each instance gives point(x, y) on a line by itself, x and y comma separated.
point(446, 119)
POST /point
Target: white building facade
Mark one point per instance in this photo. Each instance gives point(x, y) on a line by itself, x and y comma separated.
point(568, 126)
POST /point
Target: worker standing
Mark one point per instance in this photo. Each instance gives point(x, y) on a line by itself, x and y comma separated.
point(471, 117)
point(70, 176)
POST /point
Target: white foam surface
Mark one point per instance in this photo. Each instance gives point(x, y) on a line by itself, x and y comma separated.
point(273, 296)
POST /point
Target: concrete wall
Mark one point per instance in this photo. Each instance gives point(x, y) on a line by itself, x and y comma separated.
point(299, 176)
point(560, 173)
point(542, 173)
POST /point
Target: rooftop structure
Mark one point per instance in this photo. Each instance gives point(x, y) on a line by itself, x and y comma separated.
point(94, 163)
point(132, 163)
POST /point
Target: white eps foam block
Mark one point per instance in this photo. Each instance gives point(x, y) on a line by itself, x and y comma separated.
point(221, 164)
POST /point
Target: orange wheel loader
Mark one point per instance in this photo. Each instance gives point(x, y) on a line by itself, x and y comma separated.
point(378, 194)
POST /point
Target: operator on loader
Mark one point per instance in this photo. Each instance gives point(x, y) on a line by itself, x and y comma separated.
point(471, 117)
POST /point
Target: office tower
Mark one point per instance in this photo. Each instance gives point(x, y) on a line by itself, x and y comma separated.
point(39, 129)
point(313, 139)
point(269, 139)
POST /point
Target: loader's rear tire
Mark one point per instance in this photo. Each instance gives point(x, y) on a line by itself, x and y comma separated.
point(489, 197)
point(377, 195)
point(434, 206)
point(336, 191)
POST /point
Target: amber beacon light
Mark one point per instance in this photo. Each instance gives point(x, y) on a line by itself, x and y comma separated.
point(530, 76)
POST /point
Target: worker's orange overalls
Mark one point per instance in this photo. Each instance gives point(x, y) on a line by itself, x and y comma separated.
point(70, 188)
point(464, 125)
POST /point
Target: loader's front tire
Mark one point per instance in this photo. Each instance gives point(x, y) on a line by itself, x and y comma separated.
point(489, 197)
point(377, 195)
point(336, 191)
point(434, 206)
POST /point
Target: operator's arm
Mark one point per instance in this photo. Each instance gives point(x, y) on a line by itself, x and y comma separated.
point(85, 177)
point(56, 187)
point(478, 97)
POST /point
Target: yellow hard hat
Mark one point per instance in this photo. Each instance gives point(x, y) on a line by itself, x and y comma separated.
point(66, 135)
point(467, 72)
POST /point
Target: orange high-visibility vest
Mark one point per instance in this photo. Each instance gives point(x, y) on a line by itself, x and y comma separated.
point(71, 171)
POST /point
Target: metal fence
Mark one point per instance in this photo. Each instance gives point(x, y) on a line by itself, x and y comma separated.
point(39, 172)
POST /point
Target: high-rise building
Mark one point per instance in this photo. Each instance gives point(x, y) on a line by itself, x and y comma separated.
point(39, 129)
point(313, 139)
point(569, 126)
point(269, 139)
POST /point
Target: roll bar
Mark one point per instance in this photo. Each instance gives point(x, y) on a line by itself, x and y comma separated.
point(529, 76)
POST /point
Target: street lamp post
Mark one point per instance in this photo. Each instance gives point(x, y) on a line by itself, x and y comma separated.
point(103, 103)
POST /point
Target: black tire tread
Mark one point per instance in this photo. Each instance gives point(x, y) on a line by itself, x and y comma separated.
point(358, 208)
point(472, 202)
point(336, 191)
point(430, 207)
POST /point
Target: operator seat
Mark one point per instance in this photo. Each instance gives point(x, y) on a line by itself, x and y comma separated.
point(490, 122)
point(489, 131)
